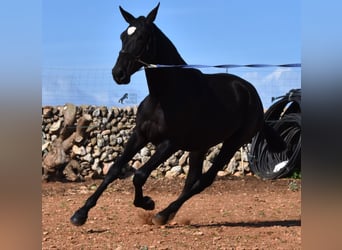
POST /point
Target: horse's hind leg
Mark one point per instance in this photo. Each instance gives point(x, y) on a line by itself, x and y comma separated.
point(196, 159)
point(195, 172)
point(163, 151)
point(134, 144)
point(226, 153)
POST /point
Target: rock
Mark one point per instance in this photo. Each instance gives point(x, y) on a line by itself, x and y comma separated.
point(53, 137)
point(199, 233)
point(213, 154)
point(186, 169)
point(69, 113)
point(96, 112)
point(106, 167)
point(106, 132)
point(183, 159)
point(112, 140)
point(144, 159)
point(93, 141)
point(78, 150)
point(145, 152)
point(103, 156)
point(119, 140)
point(238, 174)
point(129, 110)
point(55, 126)
point(88, 157)
point(173, 172)
point(155, 174)
point(237, 155)
point(45, 145)
point(172, 161)
point(136, 164)
point(104, 111)
point(232, 165)
point(47, 112)
point(244, 156)
point(170, 174)
point(176, 169)
point(115, 155)
point(100, 142)
point(97, 151)
point(116, 111)
point(98, 170)
point(95, 164)
point(222, 173)
point(206, 165)
point(88, 149)
point(120, 125)
point(105, 138)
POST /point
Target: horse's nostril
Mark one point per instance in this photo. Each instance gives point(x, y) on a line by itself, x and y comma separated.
point(119, 75)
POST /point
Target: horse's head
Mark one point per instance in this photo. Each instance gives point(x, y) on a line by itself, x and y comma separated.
point(136, 41)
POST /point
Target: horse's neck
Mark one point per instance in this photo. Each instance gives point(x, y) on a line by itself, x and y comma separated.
point(165, 52)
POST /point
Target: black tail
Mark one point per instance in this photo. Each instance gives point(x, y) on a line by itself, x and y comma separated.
point(275, 143)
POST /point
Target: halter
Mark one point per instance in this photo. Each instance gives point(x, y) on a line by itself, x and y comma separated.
point(138, 57)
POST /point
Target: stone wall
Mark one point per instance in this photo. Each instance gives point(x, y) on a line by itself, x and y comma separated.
point(82, 142)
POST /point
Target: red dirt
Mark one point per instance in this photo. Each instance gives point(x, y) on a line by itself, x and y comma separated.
point(234, 213)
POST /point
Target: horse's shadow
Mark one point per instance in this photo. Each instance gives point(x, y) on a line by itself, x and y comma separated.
point(253, 224)
point(257, 224)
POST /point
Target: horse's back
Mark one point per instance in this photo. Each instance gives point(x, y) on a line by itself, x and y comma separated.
point(231, 86)
point(189, 103)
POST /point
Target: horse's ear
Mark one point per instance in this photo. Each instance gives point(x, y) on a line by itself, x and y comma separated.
point(152, 15)
point(127, 16)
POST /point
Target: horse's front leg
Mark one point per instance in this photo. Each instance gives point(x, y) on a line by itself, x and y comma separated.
point(163, 152)
point(134, 144)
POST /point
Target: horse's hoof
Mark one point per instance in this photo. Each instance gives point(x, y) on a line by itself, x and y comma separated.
point(147, 203)
point(159, 220)
point(79, 218)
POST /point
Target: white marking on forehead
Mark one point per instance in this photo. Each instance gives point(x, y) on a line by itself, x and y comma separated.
point(131, 30)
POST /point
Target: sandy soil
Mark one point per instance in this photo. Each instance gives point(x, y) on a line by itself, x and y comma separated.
point(234, 213)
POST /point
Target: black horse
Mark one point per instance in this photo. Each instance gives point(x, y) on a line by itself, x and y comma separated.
point(186, 110)
point(125, 96)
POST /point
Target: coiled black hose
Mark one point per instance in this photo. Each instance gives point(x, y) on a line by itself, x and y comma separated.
point(285, 116)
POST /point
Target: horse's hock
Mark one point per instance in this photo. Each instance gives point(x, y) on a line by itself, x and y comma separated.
point(80, 142)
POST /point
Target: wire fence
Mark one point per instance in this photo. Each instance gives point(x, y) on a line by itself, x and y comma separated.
point(95, 86)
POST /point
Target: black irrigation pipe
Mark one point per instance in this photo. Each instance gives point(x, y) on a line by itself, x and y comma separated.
point(285, 116)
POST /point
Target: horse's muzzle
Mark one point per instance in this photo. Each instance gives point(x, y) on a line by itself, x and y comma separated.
point(120, 76)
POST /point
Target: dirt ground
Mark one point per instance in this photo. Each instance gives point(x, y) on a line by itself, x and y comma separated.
point(234, 213)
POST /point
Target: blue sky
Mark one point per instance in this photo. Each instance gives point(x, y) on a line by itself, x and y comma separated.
point(80, 41)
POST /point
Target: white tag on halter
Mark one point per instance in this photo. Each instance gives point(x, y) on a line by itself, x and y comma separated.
point(131, 30)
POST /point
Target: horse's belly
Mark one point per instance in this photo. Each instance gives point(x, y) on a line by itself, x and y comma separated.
point(202, 137)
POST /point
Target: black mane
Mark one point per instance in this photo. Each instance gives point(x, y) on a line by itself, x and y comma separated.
point(162, 50)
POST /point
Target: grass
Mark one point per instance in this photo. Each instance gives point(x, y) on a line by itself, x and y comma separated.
point(296, 175)
point(293, 186)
